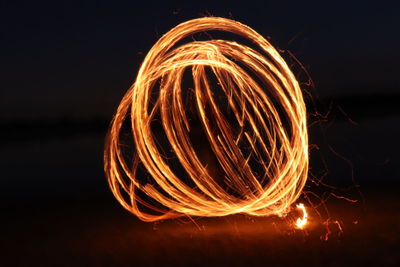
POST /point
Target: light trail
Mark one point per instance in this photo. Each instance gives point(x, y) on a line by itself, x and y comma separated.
point(268, 110)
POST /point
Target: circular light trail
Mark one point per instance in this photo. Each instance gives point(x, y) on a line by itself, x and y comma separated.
point(261, 147)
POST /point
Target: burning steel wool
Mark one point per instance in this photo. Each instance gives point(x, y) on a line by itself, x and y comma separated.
point(256, 132)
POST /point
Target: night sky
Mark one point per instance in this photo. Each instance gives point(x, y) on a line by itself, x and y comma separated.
point(64, 69)
point(62, 59)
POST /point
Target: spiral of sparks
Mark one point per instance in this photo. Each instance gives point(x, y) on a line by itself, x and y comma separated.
point(267, 105)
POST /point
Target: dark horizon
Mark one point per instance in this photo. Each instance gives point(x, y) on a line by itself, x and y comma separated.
point(352, 109)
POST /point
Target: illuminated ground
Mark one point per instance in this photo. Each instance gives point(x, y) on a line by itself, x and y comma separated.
point(56, 210)
point(93, 234)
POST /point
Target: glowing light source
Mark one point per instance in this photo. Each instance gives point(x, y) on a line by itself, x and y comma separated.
point(268, 110)
point(301, 222)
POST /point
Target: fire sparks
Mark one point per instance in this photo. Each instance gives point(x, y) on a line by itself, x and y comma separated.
point(301, 222)
point(327, 224)
point(264, 157)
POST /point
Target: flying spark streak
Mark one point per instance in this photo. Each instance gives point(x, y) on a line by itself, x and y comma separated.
point(260, 144)
point(327, 223)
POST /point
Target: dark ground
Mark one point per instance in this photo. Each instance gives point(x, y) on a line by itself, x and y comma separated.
point(57, 210)
point(101, 234)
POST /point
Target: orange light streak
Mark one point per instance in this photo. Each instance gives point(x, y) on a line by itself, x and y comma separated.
point(254, 81)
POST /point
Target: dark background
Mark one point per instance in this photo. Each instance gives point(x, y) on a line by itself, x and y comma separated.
point(66, 65)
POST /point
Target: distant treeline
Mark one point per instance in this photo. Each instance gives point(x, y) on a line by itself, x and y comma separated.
point(354, 108)
point(359, 107)
point(12, 130)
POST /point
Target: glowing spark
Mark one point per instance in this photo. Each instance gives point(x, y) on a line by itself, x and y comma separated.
point(345, 198)
point(266, 107)
point(328, 229)
point(301, 222)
